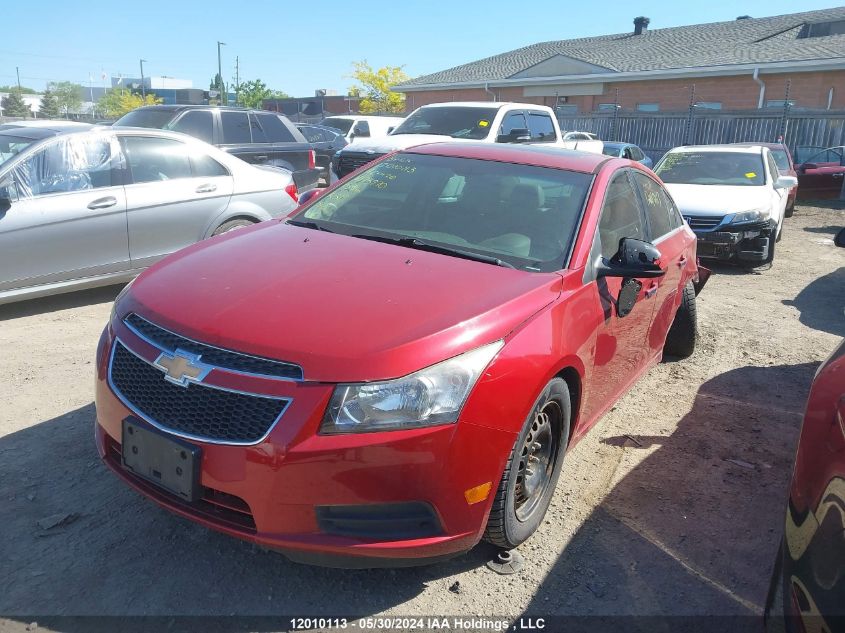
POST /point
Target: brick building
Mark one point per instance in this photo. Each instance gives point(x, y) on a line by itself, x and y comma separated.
point(744, 64)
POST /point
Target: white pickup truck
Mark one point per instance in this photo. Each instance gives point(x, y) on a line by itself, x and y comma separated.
point(480, 122)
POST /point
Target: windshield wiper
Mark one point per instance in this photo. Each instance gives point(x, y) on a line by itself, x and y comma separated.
point(413, 242)
point(309, 225)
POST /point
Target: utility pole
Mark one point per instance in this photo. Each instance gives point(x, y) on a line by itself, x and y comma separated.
point(143, 89)
point(237, 81)
point(223, 96)
point(688, 139)
point(18, 72)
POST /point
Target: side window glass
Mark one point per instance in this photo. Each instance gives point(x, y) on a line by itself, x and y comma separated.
point(660, 213)
point(156, 159)
point(620, 216)
point(541, 127)
point(204, 166)
point(75, 163)
point(513, 121)
point(636, 153)
point(197, 123)
point(235, 128)
point(275, 131)
point(773, 167)
point(258, 135)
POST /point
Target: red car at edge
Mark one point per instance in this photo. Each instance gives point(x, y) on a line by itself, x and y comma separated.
point(396, 370)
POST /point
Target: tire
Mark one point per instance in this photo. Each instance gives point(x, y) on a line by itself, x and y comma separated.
point(790, 209)
point(680, 341)
point(780, 231)
point(516, 513)
point(231, 225)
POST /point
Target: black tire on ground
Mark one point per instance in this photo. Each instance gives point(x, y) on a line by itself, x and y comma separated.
point(522, 498)
point(790, 209)
point(680, 341)
point(781, 227)
point(231, 225)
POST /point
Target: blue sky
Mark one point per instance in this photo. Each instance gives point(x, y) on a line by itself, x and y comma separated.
point(298, 47)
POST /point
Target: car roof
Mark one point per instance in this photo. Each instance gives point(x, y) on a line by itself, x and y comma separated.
point(617, 144)
point(554, 157)
point(769, 145)
point(481, 104)
point(756, 148)
point(40, 132)
point(179, 107)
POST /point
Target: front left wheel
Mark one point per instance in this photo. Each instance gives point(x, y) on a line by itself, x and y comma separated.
point(533, 469)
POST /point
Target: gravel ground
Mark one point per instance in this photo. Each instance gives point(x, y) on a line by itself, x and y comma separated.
point(673, 504)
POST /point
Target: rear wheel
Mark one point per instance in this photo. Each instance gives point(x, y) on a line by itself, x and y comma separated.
point(231, 225)
point(533, 468)
point(680, 341)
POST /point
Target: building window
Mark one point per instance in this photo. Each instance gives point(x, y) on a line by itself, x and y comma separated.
point(778, 103)
point(608, 107)
point(567, 109)
point(648, 107)
point(709, 105)
point(823, 29)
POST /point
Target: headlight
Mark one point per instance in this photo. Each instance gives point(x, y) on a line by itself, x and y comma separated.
point(747, 216)
point(431, 396)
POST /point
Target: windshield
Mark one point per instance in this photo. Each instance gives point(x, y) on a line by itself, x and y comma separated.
point(781, 159)
point(522, 215)
point(612, 150)
point(712, 168)
point(153, 118)
point(338, 123)
point(458, 122)
point(13, 145)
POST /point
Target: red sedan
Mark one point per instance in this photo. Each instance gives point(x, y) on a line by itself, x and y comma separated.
point(397, 369)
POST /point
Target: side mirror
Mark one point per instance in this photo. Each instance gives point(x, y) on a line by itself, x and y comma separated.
point(786, 182)
point(357, 131)
point(635, 258)
point(839, 240)
point(309, 195)
point(390, 129)
point(8, 194)
point(517, 135)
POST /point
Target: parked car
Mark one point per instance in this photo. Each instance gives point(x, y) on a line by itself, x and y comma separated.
point(821, 175)
point(256, 136)
point(783, 158)
point(93, 208)
point(386, 381)
point(55, 124)
point(733, 197)
point(809, 571)
point(354, 126)
point(14, 139)
point(464, 122)
point(325, 141)
point(627, 150)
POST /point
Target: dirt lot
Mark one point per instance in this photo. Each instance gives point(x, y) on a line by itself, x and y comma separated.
point(673, 504)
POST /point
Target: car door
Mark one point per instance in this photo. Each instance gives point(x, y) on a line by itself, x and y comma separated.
point(821, 175)
point(174, 191)
point(67, 218)
point(621, 343)
point(666, 231)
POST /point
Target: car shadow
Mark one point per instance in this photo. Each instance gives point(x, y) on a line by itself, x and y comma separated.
point(76, 299)
point(693, 527)
point(77, 541)
point(831, 230)
point(821, 303)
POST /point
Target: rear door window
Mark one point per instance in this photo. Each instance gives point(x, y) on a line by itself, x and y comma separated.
point(153, 159)
point(659, 210)
point(197, 123)
point(258, 135)
point(235, 128)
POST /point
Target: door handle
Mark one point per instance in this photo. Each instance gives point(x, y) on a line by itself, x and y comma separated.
point(682, 262)
point(208, 188)
point(651, 290)
point(103, 203)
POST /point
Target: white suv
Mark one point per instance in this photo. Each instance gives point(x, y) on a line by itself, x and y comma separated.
point(733, 197)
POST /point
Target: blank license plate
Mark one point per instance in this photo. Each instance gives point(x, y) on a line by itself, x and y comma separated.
point(166, 461)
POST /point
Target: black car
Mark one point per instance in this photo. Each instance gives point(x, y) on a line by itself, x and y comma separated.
point(325, 141)
point(256, 136)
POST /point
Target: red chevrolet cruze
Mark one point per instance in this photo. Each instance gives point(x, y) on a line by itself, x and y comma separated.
point(397, 370)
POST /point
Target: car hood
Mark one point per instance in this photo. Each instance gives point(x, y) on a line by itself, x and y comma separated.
point(387, 144)
point(344, 308)
point(718, 200)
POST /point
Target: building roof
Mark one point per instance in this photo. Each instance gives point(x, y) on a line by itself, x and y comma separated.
point(780, 38)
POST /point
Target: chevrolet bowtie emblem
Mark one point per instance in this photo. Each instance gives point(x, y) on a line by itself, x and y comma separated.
point(182, 367)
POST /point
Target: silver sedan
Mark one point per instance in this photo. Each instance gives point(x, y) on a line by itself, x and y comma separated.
point(96, 207)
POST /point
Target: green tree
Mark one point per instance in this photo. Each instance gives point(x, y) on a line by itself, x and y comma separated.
point(118, 101)
point(68, 95)
point(251, 94)
point(13, 105)
point(23, 90)
point(375, 88)
point(49, 108)
point(278, 94)
point(218, 85)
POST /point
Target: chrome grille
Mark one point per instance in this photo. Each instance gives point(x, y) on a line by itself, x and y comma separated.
point(703, 223)
point(223, 358)
point(197, 411)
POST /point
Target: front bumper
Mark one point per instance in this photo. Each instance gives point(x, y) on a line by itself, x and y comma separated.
point(276, 493)
point(749, 241)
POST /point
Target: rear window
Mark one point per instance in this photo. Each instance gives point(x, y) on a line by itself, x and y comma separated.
point(712, 168)
point(338, 123)
point(152, 118)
